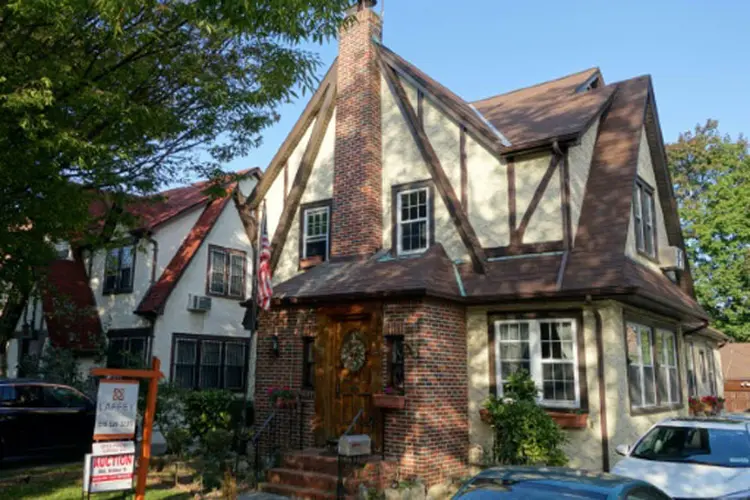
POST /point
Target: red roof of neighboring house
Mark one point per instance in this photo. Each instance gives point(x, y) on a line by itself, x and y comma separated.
point(156, 297)
point(69, 306)
point(156, 210)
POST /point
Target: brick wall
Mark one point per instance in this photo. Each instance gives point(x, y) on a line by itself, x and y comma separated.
point(356, 219)
point(430, 437)
point(291, 326)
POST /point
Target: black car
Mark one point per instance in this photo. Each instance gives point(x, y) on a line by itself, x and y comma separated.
point(41, 419)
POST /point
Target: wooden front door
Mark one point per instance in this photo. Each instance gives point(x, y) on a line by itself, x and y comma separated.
point(349, 373)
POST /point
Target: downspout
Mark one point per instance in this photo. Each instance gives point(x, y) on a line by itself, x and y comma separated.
point(704, 324)
point(154, 256)
point(599, 334)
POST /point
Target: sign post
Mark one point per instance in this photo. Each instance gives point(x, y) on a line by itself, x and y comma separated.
point(116, 410)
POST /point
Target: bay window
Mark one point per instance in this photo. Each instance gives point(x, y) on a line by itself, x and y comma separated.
point(546, 349)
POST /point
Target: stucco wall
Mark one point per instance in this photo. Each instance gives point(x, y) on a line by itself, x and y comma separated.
point(225, 316)
point(646, 172)
point(319, 187)
point(579, 166)
point(445, 137)
point(584, 446)
point(546, 221)
point(275, 195)
point(402, 163)
point(623, 427)
point(487, 186)
point(169, 238)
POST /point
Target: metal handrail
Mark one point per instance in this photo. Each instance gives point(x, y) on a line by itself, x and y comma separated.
point(265, 425)
point(256, 447)
point(340, 479)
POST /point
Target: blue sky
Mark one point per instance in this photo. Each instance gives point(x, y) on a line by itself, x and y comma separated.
point(698, 53)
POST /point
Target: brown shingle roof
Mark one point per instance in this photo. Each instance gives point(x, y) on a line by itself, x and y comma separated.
point(431, 273)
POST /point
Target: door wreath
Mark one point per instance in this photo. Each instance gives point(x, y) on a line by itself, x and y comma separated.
point(353, 352)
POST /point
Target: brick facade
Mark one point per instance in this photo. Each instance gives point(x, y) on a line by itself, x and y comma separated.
point(429, 439)
point(356, 223)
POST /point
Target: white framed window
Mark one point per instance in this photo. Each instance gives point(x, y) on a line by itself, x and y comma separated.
point(226, 272)
point(668, 381)
point(547, 349)
point(641, 371)
point(413, 220)
point(315, 232)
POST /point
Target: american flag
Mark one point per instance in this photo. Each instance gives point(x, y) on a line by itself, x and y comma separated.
point(265, 291)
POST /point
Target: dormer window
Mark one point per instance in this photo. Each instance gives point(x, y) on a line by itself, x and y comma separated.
point(118, 270)
point(414, 224)
point(643, 215)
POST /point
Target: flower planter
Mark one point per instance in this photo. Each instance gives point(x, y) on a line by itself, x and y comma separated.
point(570, 420)
point(309, 262)
point(389, 401)
point(285, 403)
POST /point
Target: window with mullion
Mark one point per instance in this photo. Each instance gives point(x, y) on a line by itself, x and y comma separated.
point(210, 365)
point(668, 381)
point(185, 361)
point(234, 365)
point(641, 370)
point(413, 220)
point(226, 272)
point(217, 362)
point(546, 349)
point(316, 232)
point(644, 218)
point(118, 270)
point(308, 362)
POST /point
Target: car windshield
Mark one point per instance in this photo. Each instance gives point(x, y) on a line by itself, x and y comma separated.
point(700, 445)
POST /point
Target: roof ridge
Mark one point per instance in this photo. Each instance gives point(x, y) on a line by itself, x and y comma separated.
point(546, 82)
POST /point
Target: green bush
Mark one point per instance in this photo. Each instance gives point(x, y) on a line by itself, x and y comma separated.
point(209, 410)
point(524, 433)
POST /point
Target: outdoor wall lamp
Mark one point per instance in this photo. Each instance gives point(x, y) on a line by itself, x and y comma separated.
point(275, 345)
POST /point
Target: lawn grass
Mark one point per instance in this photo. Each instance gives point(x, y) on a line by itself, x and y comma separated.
point(64, 481)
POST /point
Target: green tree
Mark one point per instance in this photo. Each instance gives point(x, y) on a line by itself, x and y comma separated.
point(123, 96)
point(711, 175)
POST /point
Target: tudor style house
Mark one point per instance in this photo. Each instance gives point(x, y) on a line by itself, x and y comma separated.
point(172, 290)
point(425, 248)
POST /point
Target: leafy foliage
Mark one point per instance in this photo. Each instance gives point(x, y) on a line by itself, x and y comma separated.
point(206, 411)
point(59, 365)
point(711, 175)
point(524, 433)
point(108, 99)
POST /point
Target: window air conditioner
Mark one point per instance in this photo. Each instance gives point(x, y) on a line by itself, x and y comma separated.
point(199, 303)
point(672, 259)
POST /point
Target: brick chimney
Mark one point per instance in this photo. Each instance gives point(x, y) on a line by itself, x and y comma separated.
point(357, 221)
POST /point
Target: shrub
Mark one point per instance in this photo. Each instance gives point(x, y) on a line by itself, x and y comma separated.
point(206, 411)
point(58, 365)
point(524, 433)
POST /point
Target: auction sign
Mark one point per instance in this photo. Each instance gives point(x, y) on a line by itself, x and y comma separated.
point(116, 409)
point(109, 467)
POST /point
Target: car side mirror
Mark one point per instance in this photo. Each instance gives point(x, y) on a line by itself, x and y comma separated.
point(623, 449)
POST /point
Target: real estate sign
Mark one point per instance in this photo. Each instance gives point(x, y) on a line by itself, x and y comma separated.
point(116, 409)
point(109, 467)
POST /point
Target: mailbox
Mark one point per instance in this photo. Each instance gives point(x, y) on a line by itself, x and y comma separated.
point(355, 445)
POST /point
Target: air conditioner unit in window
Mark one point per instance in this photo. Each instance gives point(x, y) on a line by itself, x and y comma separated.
point(199, 303)
point(672, 259)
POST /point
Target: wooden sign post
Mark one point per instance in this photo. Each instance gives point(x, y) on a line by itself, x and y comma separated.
point(153, 375)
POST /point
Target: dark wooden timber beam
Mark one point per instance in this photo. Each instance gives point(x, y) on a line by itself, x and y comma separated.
point(303, 173)
point(537, 198)
point(292, 140)
point(442, 183)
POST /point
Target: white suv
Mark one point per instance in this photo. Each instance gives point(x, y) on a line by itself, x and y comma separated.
point(692, 458)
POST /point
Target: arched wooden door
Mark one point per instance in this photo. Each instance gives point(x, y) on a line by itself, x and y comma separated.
point(349, 347)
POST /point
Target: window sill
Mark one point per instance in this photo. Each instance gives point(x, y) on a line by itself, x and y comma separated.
point(647, 256)
point(569, 420)
point(225, 296)
point(310, 262)
point(651, 410)
point(118, 292)
point(389, 401)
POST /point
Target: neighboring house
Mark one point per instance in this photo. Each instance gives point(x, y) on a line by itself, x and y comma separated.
point(435, 246)
point(735, 367)
point(172, 291)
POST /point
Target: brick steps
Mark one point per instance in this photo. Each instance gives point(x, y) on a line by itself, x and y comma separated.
point(297, 492)
point(310, 480)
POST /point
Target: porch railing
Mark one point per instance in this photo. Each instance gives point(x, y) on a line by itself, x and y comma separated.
point(281, 431)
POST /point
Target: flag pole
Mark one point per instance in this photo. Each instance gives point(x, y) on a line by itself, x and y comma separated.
point(253, 323)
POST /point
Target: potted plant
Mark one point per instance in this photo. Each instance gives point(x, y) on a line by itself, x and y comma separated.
point(696, 406)
point(282, 397)
point(570, 420)
point(390, 398)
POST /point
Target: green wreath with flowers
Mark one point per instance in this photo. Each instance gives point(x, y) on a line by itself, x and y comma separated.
point(353, 352)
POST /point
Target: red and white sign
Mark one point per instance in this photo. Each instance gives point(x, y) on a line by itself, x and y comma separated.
point(109, 472)
point(116, 409)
